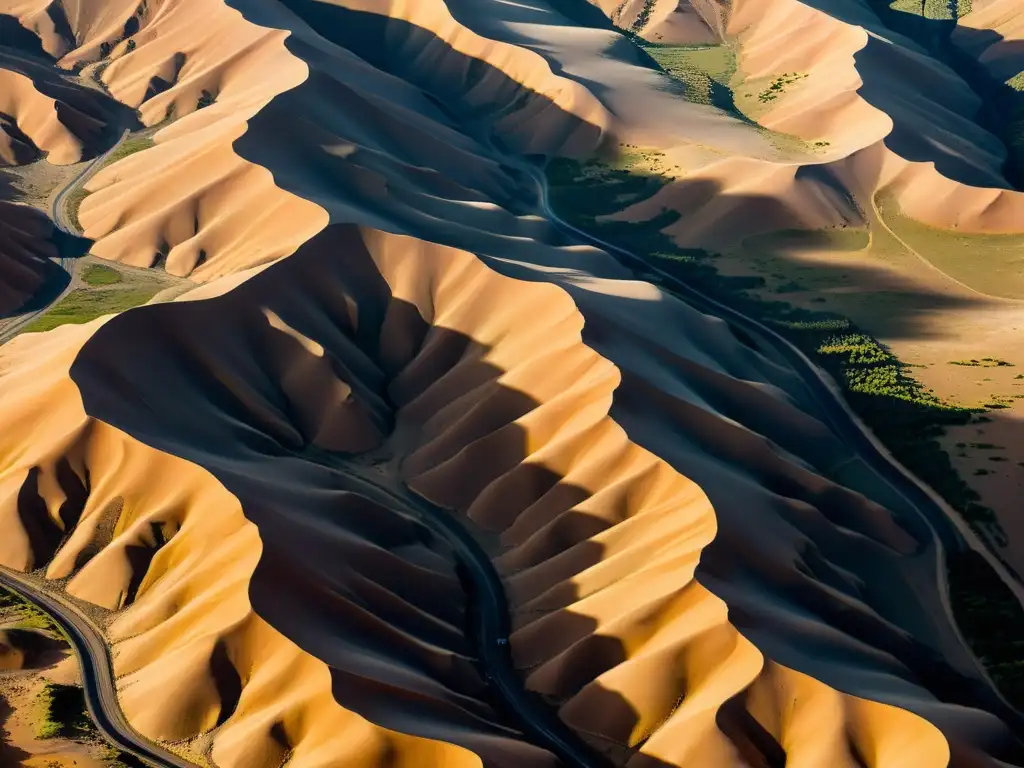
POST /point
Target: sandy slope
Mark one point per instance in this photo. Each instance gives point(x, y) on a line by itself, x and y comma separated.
point(200, 225)
point(38, 128)
point(992, 32)
point(692, 583)
point(861, 94)
point(578, 503)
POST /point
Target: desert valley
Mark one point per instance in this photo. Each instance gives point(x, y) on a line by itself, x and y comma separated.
point(512, 383)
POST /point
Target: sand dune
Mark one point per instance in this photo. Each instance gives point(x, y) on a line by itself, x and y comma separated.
point(992, 33)
point(693, 580)
point(32, 125)
point(860, 95)
point(25, 248)
point(573, 532)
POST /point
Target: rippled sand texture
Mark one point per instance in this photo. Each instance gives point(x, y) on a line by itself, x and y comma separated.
point(384, 310)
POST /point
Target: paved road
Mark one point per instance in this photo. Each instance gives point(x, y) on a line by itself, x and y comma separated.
point(58, 211)
point(946, 524)
point(59, 214)
point(97, 673)
point(537, 719)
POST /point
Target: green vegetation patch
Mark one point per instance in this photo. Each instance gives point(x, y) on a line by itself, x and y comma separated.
point(985, 362)
point(24, 614)
point(778, 86)
point(97, 274)
point(705, 70)
point(958, 254)
point(61, 712)
point(990, 617)
point(935, 10)
point(643, 18)
point(905, 416)
point(128, 147)
point(83, 305)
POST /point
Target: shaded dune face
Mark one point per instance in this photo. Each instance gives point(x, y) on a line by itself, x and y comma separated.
point(29, 124)
point(378, 139)
point(598, 538)
point(43, 112)
point(933, 150)
point(25, 251)
point(689, 582)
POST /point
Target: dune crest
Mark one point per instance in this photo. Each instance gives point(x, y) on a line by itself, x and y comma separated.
point(697, 570)
point(34, 125)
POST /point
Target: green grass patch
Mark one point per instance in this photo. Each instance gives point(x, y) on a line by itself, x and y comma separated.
point(97, 274)
point(991, 264)
point(128, 147)
point(61, 713)
point(905, 416)
point(24, 614)
point(83, 305)
point(705, 70)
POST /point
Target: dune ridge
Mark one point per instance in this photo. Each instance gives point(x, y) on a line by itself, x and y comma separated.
point(860, 95)
point(683, 555)
point(548, 527)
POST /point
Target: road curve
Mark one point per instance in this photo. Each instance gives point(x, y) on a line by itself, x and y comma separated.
point(59, 215)
point(537, 719)
point(58, 212)
point(921, 498)
point(97, 673)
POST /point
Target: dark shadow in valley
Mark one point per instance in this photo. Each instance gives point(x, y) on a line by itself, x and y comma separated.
point(94, 117)
point(338, 574)
point(349, 576)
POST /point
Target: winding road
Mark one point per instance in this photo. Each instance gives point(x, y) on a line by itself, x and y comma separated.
point(98, 680)
point(538, 720)
point(60, 217)
point(944, 522)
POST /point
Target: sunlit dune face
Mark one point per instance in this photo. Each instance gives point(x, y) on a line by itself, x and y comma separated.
point(257, 491)
point(241, 481)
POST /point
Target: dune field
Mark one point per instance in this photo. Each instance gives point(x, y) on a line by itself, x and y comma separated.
point(365, 321)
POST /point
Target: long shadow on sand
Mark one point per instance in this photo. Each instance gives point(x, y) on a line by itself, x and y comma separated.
point(95, 117)
point(311, 576)
point(184, 387)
